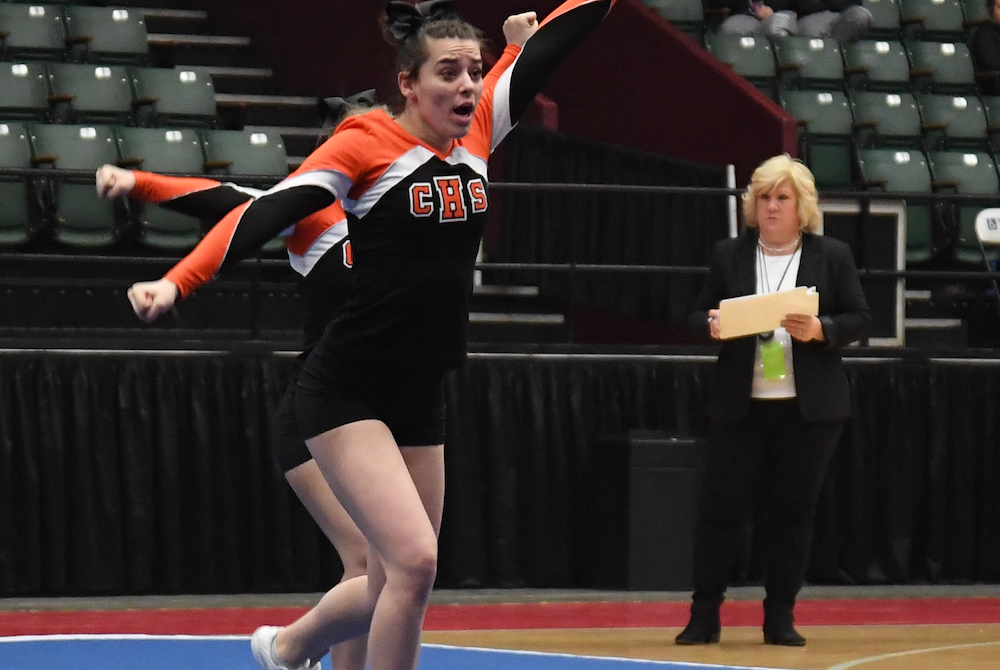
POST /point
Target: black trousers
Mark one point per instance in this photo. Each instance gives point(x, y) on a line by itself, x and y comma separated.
point(773, 458)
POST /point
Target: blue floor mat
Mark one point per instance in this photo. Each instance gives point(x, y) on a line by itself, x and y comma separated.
point(138, 652)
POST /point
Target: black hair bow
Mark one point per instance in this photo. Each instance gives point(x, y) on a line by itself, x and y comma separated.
point(404, 19)
point(332, 110)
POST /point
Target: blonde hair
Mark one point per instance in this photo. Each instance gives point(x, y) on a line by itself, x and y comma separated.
point(779, 170)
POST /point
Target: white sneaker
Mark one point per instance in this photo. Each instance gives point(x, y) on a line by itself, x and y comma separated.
point(262, 645)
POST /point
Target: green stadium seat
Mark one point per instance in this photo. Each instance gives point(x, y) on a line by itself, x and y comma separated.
point(988, 233)
point(876, 65)
point(106, 34)
point(976, 15)
point(942, 20)
point(952, 122)
point(942, 67)
point(32, 31)
point(230, 154)
point(886, 120)
point(750, 57)
point(991, 106)
point(183, 96)
point(16, 220)
point(898, 171)
point(85, 93)
point(968, 174)
point(687, 15)
point(235, 153)
point(80, 218)
point(885, 19)
point(274, 249)
point(826, 126)
point(165, 151)
point(808, 62)
point(24, 91)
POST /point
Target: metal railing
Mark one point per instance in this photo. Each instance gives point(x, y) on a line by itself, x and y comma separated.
point(256, 284)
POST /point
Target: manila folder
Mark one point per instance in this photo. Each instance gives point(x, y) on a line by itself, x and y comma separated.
point(753, 314)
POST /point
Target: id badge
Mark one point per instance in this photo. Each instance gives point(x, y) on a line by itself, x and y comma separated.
point(772, 355)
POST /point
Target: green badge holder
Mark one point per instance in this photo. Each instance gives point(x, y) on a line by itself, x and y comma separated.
point(772, 355)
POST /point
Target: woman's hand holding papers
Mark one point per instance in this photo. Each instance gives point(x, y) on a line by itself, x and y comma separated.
point(714, 329)
point(803, 327)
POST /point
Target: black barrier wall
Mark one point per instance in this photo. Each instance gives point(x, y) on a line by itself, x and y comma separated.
point(141, 473)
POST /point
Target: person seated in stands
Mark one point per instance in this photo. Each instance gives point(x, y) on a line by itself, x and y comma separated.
point(986, 51)
point(772, 18)
point(840, 20)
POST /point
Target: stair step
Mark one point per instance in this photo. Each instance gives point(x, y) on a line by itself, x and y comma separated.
point(936, 333)
point(915, 294)
point(501, 290)
point(297, 101)
point(169, 49)
point(931, 324)
point(164, 20)
point(247, 80)
point(192, 40)
point(496, 327)
point(517, 317)
point(268, 110)
point(300, 141)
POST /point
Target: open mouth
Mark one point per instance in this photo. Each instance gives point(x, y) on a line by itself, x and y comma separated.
point(465, 111)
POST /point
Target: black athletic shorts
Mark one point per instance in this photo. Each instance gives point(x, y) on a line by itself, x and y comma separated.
point(336, 389)
point(289, 445)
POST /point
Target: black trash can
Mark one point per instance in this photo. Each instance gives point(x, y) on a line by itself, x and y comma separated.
point(644, 508)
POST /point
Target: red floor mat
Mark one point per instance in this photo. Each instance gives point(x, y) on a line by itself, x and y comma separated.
point(242, 621)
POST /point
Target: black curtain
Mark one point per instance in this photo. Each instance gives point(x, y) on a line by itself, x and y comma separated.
point(142, 473)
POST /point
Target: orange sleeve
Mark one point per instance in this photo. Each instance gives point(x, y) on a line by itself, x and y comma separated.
point(204, 261)
point(151, 187)
point(243, 230)
point(570, 5)
point(506, 59)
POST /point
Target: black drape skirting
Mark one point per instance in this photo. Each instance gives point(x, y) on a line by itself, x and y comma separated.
point(153, 473)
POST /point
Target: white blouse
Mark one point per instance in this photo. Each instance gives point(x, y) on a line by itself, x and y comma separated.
point(779, 273)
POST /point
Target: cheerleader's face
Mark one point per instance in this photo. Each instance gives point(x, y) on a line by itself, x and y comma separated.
point(441, 100)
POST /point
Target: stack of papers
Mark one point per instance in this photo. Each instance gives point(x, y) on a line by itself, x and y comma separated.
point(753, 314)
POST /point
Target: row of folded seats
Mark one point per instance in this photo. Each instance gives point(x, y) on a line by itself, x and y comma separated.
point(938, 230)
point(75, 33)
point(906, 143)
point(795, 62)
point(107, 93)
point(905, 20)
point(833, 124)
point(63, 210)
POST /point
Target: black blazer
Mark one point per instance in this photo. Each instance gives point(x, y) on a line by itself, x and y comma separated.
point(820, 380)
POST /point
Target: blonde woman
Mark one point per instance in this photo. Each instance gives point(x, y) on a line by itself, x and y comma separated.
point(779, 399)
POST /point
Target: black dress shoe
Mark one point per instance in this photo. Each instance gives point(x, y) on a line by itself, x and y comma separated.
point(779, 623)
point(783, 634)
point(700, 630)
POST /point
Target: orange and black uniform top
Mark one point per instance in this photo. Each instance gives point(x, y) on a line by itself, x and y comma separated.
point(415, 215)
